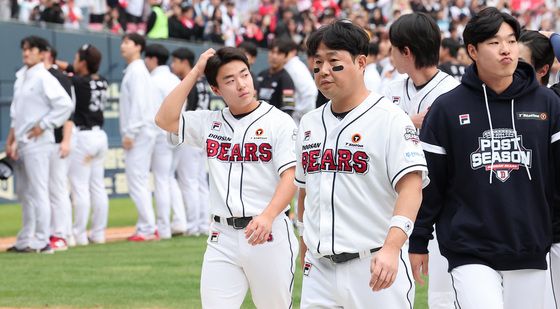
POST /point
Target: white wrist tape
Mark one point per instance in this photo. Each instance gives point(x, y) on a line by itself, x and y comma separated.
point(403, 223)
point(299, 226)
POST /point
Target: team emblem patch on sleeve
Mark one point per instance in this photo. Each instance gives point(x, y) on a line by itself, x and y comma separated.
point(411, 134)
point(307, 268)
point(464, 119)
point(214, 236)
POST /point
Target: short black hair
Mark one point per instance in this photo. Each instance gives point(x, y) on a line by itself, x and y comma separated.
point(184, 53)
point(451, 45)
point(157, 51)
point(340, 35)
point(53, 51)
point(284, 45)
point(137, 39)
point(249, 47)
point(541, 51)
point(420, 33)
point(486, 24)
point(92, 56)
point(35, 41)
point(222, 57)
point(373, 49)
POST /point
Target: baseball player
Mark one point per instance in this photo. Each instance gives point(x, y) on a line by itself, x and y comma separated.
point(414, 95)
point(156, 56)
point(491, 145)
point(90, 145)
point(61, 208)
point(249, 150)
point(360, 171)
point(40, 104)
point(274, 84)
point(190, 164)
point(137, 105)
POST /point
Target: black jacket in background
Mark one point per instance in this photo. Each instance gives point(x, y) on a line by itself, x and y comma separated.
point(505, 224)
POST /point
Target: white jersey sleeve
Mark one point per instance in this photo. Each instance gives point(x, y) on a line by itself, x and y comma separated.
point(193, 126)
point(404, 152)
point(284, 143)
point(300, 178)
point(59, 100)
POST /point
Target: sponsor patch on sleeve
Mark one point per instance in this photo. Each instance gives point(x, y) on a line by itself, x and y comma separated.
point(541, 116)
point(411, 134)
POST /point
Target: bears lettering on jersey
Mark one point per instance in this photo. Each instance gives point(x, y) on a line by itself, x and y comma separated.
point(229, 152)
point(341, 160)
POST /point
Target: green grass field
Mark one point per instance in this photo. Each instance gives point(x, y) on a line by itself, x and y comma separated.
point(162, 274)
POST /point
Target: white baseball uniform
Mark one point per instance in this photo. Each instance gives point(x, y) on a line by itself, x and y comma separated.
point(404, 94)
point(246, 157)
point(87, 171)
point(552, 290)
point(349, 169)
point(38, 99)
point(137, 108)
point(163, 156)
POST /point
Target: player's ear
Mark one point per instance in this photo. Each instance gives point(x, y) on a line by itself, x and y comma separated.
point(216, 90)
point(472, 52)
point(362, 61)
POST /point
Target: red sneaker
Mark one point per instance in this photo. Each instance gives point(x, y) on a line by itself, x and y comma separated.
point(58, 244)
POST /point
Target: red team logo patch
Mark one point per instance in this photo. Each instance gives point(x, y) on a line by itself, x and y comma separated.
point(259, 132)
point(356, 138)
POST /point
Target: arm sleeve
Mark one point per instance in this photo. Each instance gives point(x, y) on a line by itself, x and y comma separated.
point(300, 177)
point(404, 153)
point(151, 22)
point(192, 128)
point(288, 100)
point(139, 94)
point(61, 104)
point(433, 194)
point(284, 139)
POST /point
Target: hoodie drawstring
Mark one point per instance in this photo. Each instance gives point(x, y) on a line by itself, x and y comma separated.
point(517, 140)
point(492, 133)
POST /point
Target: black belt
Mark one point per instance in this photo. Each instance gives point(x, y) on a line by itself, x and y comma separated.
point(87, 128)
point(237, 223)
point(345, 256)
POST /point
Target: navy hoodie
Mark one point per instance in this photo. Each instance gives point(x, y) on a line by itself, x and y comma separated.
point(490, 160)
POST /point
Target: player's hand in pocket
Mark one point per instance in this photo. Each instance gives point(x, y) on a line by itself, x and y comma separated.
point(384, 268)
point(258, 230)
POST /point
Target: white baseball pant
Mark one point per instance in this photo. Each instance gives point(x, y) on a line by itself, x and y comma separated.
point(61, 207)
point(231, 266)
point(193, 181)
point(552, 290)
point(162, 169)
point(36, 210)
point(481, 287)
point(87, 177)
point(137, 169)
point(440, 289)
point(178, 216)
point(346, 285)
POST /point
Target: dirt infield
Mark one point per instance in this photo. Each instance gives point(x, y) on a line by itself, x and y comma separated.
point(112, 234)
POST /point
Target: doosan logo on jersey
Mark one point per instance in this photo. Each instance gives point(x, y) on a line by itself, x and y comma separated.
point(250, 152)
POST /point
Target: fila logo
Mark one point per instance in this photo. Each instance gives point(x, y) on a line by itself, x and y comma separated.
point(464, 119)
point(214, 236)
point(307, 135)
point(306, 268)
point(396, 100)
point(216, 126)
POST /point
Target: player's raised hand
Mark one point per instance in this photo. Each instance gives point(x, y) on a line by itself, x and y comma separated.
point(384, 268)
point(202, 60)
point(419, 264)
point(258, 230)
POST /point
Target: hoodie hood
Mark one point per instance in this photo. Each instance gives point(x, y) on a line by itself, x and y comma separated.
point(524, 81)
